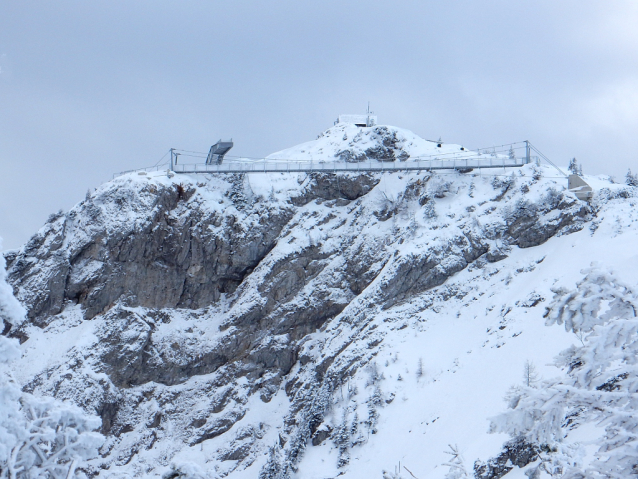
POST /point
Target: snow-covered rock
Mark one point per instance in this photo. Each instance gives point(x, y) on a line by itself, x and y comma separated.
point(278, 325)
point(348, 142)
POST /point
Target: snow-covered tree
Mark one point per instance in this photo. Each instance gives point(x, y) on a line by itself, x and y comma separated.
point(342, 440)
point(273, 468)
point(574, 168)
point(39, 437)
point(429, 210)
point(184, 470)
point(240, 191)
point(503, 182)
point(599, 386)
point(530, 376)
point(631, 179)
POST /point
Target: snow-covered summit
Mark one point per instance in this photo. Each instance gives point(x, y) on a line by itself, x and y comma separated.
point(351, 143)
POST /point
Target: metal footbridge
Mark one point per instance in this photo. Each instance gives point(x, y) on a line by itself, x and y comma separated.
point(512, 155)
point(273, 166)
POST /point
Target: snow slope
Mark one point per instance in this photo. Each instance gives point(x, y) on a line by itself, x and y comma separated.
point(281, 325)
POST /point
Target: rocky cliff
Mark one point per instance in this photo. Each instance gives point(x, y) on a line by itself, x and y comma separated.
point(237, 322)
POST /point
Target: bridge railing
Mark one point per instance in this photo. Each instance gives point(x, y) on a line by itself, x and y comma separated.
point(148, 169)
point(275, 166)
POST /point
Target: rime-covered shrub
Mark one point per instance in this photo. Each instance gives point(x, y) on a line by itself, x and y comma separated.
point(438, 187)
point(456, 464)
point(185, 470)
point(599, 386)
point(39, 437)
point(552, 198)
point(503, 183)
point(429, 211)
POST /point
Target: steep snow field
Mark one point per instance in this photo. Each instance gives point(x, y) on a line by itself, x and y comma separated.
point(305, 326)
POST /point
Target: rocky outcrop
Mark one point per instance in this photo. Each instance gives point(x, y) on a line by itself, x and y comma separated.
point(386, 147)
point(173, 254)
point(335, 187)
point(517, 453)
point(206, 294)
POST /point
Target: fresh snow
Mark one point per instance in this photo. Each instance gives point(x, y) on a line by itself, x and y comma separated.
point(447, 357)
point(345, 135)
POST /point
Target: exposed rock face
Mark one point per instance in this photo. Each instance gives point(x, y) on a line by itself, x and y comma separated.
point(387, 147)
point(206, 294)
point(151, 247)
point(515, 454)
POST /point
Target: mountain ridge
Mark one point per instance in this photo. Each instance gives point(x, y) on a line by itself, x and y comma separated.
point(235, 326)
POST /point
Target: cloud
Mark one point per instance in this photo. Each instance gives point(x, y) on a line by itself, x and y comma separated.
point(6, 70)
point(101, 87)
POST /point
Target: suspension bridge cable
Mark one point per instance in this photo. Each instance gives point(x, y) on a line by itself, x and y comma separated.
point(547, 160)
point(158, 161)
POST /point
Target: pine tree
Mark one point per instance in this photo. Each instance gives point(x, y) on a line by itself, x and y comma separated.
point(574, 168)
point(630, 179)
point(530, 376)
point(342, 441)
point(272, 469)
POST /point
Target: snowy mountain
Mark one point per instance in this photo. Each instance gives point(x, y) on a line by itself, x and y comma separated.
point(348, 142)
point(360, 325)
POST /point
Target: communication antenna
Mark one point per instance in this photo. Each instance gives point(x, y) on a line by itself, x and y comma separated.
point(368, 113)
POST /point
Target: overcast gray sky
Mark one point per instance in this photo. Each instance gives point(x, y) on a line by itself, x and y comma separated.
point(90, 88)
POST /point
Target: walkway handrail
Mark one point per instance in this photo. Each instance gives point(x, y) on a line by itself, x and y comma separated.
point(338, 166)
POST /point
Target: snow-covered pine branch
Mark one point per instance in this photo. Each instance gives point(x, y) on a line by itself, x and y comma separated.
point(599, 386)
point(580, 309)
